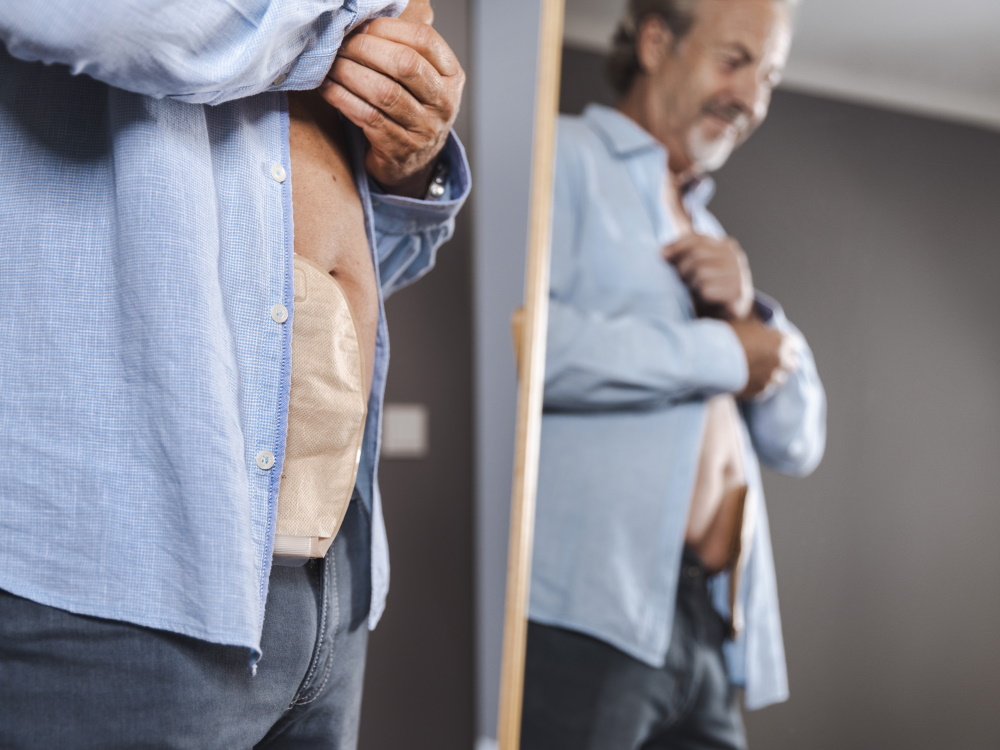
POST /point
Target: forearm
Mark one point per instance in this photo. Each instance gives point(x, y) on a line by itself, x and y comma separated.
point(200, 51)
point(596, 362)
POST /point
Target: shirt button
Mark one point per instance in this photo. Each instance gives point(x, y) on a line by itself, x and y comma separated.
point(278, 173)
point(279, 80)
point(279, 313)
point(265, 460)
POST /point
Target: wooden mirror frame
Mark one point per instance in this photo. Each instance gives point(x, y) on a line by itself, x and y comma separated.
point(530, 348)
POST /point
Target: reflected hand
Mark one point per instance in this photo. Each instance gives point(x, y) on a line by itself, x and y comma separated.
point(717, 272)
point(400, 82)
point(771, 356)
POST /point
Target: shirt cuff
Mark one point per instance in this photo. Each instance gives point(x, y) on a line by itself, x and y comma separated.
point(309, 69)
point(767, 308)
point(402, 215)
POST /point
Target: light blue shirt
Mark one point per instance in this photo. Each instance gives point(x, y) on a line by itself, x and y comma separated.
point(146, 239)
point(628, 370)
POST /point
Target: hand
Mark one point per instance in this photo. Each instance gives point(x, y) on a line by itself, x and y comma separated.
point(717, 272)
point(400, 82)
point(419, 11)
point(771, 355)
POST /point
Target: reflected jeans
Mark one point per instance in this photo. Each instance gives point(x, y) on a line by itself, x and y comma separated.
point(582, 694)
point(69, 681)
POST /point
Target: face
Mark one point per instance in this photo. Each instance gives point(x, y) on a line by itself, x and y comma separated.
point(706, 94)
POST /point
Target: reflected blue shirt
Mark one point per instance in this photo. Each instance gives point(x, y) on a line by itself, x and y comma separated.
point(628, 369)
point(146, 237)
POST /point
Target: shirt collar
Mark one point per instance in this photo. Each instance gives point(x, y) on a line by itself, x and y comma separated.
point(624, 137)
point(700, 190)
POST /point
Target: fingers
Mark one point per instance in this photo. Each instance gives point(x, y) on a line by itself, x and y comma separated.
point(400, 82)
point(378, 91)
point(703, 264)
point(702, 246)
point(680, 246)
point(714, 279)
point(778, 379)
point(788, 360)
point(760, 345)
point(719, 291)
point(715, 270)
point(419, 11)
point(690, 253)
point(790, 353)
point(394, 62)
point(398, 79)
point(375, 123)
point(384, 44)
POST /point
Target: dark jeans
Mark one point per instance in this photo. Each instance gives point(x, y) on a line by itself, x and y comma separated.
point(68, 681)
point(583, 694)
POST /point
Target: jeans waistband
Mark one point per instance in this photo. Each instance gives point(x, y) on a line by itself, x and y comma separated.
point(693, 571)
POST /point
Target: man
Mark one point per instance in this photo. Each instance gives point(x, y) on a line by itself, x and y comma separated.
point(653, 593)
point(162, 163)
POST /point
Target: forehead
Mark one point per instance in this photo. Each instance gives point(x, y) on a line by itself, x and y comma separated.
point(761, 26)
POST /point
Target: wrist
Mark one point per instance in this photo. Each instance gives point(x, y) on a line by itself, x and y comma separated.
point(428, 184)
point(412, 186)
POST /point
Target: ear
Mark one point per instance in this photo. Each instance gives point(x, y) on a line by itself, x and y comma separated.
point(653, 43)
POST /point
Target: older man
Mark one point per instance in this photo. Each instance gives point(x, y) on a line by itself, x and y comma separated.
point(653, 592)
point(183, 182)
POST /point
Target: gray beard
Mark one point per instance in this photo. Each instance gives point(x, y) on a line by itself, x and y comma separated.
point(709, 155)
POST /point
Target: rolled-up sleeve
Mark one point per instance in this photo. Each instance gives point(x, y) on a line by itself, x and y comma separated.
point(788, 424)
point(408, 231)
point(595, 362)
point(198, 51)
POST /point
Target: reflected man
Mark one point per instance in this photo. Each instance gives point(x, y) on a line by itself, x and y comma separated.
point(668, 380)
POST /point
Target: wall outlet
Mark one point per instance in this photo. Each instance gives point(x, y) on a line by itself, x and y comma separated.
point(405, 431)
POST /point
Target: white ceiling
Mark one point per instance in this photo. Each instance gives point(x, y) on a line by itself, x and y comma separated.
point(933, 57)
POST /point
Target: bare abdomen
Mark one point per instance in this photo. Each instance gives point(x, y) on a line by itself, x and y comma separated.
point(715, 522)
point(327, 213)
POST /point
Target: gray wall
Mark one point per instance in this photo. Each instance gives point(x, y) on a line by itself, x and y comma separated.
point(505, 38)
point(419, 686)
point(878, 231)
point(420, 691)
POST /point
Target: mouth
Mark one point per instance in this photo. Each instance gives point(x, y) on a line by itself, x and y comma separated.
point(726, 120)
point(724, 127)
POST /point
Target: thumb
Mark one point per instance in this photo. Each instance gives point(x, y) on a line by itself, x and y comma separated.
point(677, 248)
point(419, 11)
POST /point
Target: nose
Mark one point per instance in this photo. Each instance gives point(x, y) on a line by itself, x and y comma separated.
point(753, 93)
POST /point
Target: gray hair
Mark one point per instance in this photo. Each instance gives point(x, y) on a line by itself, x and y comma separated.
point(622, 64)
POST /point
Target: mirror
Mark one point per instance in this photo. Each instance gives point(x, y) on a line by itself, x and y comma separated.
point(865, 205)
point(529, 333)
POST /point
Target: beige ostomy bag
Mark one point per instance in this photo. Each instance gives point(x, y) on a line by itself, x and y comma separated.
point(326, 417)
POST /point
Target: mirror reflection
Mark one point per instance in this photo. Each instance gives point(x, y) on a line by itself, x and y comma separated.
point(668, 381)
point(677, 391)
